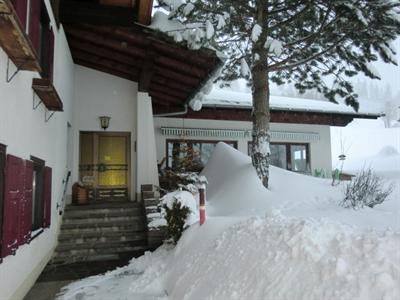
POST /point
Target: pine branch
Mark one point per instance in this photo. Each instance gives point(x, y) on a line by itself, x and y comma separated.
point(274, 68)
point(290, 19)
point(323, 27)
point(286, 8)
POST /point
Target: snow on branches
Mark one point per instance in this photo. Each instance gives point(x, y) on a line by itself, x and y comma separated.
point(290, 41)
point(305, 40)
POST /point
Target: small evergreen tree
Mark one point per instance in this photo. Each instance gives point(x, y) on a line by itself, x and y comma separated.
point(176, 217)
point(289, 41)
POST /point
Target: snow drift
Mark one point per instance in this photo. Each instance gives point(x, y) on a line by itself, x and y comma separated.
point(290, 242)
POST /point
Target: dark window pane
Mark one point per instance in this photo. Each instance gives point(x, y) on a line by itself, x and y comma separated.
point(190, 155)
point(278, 156)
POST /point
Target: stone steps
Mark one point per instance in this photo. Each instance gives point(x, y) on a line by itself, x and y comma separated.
point(97, 251)
point(104, 205)
point(91, 236)
point(101, 232)
point(101, 220)
point(151, 200)
point(103, 212)
point(136, 224)
point(90, 255)
point(109, 244)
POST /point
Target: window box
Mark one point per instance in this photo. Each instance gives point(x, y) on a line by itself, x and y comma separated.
point(47, 94)
point(14, 40)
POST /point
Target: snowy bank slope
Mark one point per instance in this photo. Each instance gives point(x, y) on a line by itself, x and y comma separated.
point(296, 244)
point(234, 189)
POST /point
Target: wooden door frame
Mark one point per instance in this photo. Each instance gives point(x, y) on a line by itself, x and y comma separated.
point(96, 135)
point(3, 157)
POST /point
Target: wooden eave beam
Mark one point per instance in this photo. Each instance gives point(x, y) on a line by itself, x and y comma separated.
point(169, 59)
point(104, 52)
point(104, 69)
point(145, 9)
point(168, 91)
point(93, 13)
point(157, 102)
point(166, 98)
point(198, 58)
point(168, 83)
point(108, 64)
point(187, 80)
point(132, 35)
point(102, 41)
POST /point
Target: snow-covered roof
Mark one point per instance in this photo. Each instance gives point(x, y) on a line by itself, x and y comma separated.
point(225, 98)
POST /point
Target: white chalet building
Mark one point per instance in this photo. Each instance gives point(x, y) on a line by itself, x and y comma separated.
point(66, 63)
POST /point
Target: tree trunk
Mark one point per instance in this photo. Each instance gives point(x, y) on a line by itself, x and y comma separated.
point(261, 136)
point(260, 116)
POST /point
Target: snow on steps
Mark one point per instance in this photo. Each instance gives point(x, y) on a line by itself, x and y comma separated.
point(97, 232)
point(151, 199)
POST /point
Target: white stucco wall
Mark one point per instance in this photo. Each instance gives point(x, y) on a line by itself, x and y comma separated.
point(26, 133)
point(147, 172)
point(98, 94)
point(320, 150)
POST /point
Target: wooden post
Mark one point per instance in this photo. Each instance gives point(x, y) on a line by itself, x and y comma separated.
point(202, 205)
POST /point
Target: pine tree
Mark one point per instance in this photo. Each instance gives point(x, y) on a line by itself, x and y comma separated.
point(289, 41)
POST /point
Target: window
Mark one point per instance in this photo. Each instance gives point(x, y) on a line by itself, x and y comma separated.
point(2, 172)
point(42, 37)
point(290, 156)
point(26, 200)
point(37, 193)
point(191, 155)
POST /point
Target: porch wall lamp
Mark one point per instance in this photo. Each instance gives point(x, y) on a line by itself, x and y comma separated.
point(104, 122)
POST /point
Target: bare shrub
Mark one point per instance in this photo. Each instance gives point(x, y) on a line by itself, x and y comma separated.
point(366, 189)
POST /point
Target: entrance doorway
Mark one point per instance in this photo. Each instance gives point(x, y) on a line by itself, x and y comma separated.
point(104, 164)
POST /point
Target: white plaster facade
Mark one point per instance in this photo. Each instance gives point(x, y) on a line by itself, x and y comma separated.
point(320, 147)
point(86, 94)
point(98, 94)
point(24, 131)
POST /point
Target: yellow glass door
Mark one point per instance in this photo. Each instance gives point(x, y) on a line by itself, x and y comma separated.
point(104, 164)
point(113, 161)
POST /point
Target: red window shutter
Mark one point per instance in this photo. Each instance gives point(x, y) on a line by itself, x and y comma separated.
point(25, 214)
point(21, 7)
point(34, 24)
point(47, 197)
point(51, 54)
point(13, 193)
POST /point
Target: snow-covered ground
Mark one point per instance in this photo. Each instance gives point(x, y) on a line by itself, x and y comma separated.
point(292, 241)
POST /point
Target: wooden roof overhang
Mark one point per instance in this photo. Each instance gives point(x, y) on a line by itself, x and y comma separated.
point(277, 116)
point(170, 72)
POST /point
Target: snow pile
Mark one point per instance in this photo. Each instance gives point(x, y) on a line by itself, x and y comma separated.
point(138, 280)
point(234, 188)
point(292, 241)
point(274, 257)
